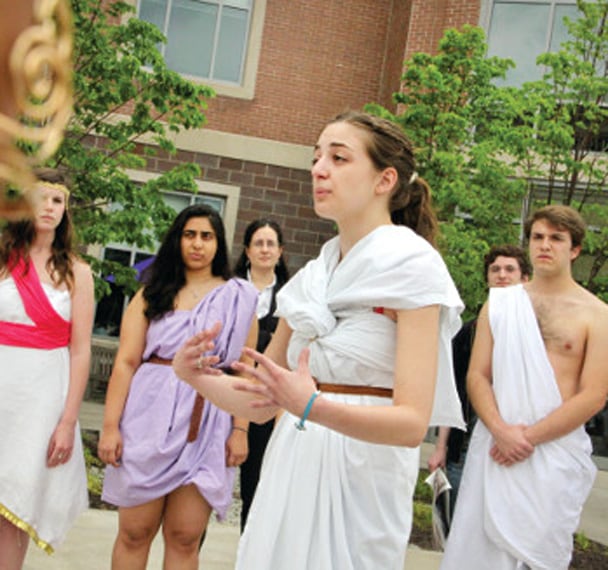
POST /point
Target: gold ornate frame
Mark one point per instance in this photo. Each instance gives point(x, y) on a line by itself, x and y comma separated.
point(37, 97)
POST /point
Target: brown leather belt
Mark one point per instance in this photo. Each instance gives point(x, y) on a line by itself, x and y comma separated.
point(199, 401)
point(352, 389)
point(158, 360)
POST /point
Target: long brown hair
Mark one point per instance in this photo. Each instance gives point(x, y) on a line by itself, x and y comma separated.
point(388, 146)
point(17, 238)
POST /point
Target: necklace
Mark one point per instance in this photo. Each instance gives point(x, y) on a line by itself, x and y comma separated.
point(195, 294)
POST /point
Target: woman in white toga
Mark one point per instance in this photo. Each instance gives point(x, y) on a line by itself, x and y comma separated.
point(46, 317)
point(360, 360)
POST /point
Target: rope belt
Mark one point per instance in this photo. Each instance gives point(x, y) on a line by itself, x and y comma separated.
point(199, 401)
point(352, 389)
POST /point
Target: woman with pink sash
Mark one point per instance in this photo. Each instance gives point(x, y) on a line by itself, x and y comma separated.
point(46, 314)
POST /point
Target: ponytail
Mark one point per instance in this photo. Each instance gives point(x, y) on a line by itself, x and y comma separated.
point(410, 206)
point(388, 146)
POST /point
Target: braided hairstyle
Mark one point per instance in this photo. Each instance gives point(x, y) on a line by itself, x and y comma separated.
point(388, 146)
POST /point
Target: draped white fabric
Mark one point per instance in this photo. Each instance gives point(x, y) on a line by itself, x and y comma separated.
point(525, 513)
point(326, 500)
point(44, 501)
point(329, 306)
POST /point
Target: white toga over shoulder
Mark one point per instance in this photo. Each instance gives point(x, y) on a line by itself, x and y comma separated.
point(526, 513)
point(326, 500)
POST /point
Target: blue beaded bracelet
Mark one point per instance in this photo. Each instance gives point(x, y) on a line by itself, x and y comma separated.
point(300, 425)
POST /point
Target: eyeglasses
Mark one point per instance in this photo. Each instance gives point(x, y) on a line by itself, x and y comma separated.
point(269, 243)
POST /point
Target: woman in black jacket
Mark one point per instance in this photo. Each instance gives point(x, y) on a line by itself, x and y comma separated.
point(261, 263)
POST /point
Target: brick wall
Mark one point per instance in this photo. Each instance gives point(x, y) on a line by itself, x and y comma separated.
point(430, 18)
point(283, 194)
point(396, 41)
point(318, 57)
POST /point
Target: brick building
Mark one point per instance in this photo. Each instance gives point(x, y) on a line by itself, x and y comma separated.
point(281, 68)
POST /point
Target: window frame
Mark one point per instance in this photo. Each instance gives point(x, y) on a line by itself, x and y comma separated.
point(251, 59)
point(485, 19)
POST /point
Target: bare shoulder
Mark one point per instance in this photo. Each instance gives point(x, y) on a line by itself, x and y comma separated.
point(590, 302)
point(596, 312)
point(592, 313)
point(81, 267)
point(137, 303)
point(83, 276)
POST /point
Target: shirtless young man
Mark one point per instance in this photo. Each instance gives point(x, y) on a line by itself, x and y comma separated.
point(537, 374)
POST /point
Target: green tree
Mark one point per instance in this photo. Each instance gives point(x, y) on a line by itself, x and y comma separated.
point(125, 96)
point(560, 142)
point(490, 153)
point(455, 115)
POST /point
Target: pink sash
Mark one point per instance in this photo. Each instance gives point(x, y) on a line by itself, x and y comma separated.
point(50, 330)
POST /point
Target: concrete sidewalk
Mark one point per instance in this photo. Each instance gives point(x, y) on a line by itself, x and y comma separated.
point(89, 547)
point(89, 543)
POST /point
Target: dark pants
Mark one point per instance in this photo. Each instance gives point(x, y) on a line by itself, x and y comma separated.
point(250, 470)
point(454, 473)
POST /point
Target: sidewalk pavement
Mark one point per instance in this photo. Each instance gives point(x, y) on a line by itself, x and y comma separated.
point(89, 547)
point(89, 543)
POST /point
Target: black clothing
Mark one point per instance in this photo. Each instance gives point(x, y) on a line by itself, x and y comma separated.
point(258, 434)
point(462, 343)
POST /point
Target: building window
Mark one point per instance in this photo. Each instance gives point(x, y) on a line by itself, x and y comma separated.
point(523, 30)
point(205, 39)
point(109, 311)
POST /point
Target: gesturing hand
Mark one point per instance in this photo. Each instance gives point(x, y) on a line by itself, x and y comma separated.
point(190, 362)
point(275, 385)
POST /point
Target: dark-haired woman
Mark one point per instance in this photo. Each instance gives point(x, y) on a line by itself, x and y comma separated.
point(360, 362)
point(46, 317)
point(261, 263)
point(170, 454)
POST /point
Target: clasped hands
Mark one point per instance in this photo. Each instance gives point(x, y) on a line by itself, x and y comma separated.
point(270, 385)
point(511, 445)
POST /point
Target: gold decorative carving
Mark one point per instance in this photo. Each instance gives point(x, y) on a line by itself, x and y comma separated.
point(35, 93)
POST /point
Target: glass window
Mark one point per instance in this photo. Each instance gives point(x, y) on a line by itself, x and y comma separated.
point(522, 31)
point(559, 31)
point(109, 311)
point(206, 39)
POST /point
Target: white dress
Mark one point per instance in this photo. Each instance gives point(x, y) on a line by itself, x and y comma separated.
point(33, 386)
point(324, 500)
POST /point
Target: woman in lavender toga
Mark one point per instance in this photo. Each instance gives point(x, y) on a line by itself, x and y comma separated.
point(170, 454)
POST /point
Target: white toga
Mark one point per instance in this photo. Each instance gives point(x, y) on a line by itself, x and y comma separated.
point(524, 514)
point(325, 500)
